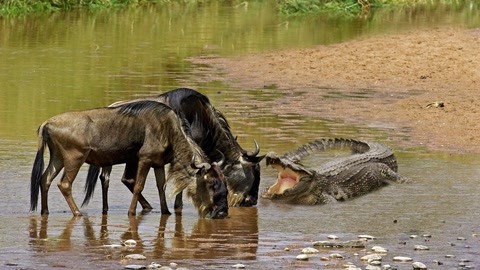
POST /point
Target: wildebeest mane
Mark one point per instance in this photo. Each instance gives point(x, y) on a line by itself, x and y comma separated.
point(141, 107)
point(207, 126)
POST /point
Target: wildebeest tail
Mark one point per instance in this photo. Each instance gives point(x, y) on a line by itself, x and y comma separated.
point(92, 177)
point(38, 166)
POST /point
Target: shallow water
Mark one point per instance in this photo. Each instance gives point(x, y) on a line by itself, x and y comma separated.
point(78, 61)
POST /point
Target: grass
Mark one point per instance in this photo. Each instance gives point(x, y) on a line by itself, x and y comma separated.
point(285, 7)
point(19, 7)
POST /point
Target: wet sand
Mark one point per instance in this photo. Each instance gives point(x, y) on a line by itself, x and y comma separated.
point(395, 82)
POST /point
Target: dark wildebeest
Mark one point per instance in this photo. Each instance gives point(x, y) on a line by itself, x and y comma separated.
point(211, 131)
point(141, 134)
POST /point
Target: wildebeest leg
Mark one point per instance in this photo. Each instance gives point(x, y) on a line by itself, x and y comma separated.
point(105, 180)
point(140, 178)
point(178, 201)
point(55, 165)
point(128, 180)
point(72, 166)
point(161, 183)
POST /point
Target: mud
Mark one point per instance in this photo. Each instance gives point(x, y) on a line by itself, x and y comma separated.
point(395, 82)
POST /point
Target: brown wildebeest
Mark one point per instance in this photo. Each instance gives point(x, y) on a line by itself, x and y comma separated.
point(211, 131)
point(141, 134)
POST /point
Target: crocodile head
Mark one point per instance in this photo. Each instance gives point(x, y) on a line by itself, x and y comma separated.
point(294, 182)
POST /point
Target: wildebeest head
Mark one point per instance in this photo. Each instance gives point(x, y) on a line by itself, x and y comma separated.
point(243, 177)
point(209, 194)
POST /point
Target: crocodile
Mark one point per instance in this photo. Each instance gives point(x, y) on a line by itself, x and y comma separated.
point(370, 166)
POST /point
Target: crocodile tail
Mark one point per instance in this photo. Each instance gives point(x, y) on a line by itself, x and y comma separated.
point(355, 146)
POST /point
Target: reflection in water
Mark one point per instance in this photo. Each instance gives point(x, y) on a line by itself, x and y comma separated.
point(233, 238)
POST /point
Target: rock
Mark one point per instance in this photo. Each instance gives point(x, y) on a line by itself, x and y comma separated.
point(421, 247)
point(402, 259)
point(366, 236)
point(375, 263)
point(331, 236)
point(379, 249)
point(287, 249)
point(372, 267)
point(238, 266)
point(371, 257)
point(135, 266)
point(346, 244)
point(336, 256)
point(302, 257)
point(418, 265)
point(413, 236)
point(135, 257)
point(309, 250)
point(154, 265)
point(113, 246)
point(173, 265)
point(130, 243)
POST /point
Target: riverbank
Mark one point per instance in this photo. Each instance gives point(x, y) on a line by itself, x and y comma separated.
point(423, 82)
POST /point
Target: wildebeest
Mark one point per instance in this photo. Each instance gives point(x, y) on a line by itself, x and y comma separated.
point(140, 134)
point(211, 131)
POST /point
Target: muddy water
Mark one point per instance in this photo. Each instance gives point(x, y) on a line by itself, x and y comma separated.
point(52, 64)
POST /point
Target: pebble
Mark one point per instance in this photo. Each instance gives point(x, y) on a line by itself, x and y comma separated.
point(130, 243)
point(309, 250)
point(379, 249)
point(113, 246)
point(418, 265)
point(336, 256)
point(413, 236)
point(286, 249)
point(421, 247)
point(135, 257)
point(302, 257)
point(154, 265)
point(461, 238)
point(375, 263)
point(371, 257)
point(372, 267)
point(135, 266)
point(402, 259)
point(332, 236)
point(238, 266)
point(366, 236)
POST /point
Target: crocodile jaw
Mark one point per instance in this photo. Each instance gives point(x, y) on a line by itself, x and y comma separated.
point(286, 180)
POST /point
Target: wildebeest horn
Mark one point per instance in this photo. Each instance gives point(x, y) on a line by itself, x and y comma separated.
point(252, 154)
point(203, 165)
point(219, 163)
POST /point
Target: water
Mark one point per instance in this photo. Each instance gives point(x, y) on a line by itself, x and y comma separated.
point(76, 61)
